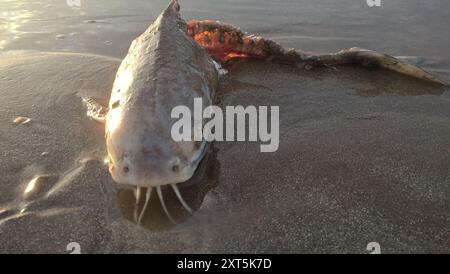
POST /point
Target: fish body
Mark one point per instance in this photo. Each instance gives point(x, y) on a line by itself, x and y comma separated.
point(164, 68)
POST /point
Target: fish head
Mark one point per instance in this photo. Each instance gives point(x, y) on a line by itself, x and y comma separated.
point(142, 153)
point(141, 150)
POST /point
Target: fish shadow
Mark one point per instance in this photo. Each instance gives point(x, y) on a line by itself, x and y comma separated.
point(193, 191)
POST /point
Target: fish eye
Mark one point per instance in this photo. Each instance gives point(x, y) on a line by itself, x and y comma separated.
point(126, 169)
point(175, 168)
point(115, 104)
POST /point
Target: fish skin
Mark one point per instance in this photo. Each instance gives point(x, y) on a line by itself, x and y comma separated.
point(164, 68)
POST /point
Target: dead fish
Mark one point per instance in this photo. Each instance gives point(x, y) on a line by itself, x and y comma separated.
point(164, 68)
point(169, 65)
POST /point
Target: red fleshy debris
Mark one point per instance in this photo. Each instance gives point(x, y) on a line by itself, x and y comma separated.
point(224, 45)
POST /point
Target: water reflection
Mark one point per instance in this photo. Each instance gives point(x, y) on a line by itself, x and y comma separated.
point(193, 192)
point(10, 22)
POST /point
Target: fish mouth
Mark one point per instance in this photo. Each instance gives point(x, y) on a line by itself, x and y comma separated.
point(149, 191)
point(141, 187)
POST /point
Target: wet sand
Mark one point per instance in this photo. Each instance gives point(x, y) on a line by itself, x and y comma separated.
point(363, 157)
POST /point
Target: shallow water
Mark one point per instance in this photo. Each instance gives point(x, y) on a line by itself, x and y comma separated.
point(400, 27)
point(363, 154)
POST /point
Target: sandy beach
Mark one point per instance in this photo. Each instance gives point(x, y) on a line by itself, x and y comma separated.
point(358, 161)
point(364, 154)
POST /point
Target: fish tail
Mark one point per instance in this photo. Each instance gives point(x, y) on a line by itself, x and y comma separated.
point(362, 57)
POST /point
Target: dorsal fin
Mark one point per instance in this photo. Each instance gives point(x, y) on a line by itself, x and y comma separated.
point(174, 6)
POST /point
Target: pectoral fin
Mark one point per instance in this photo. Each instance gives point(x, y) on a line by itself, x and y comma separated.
point(95, 110)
